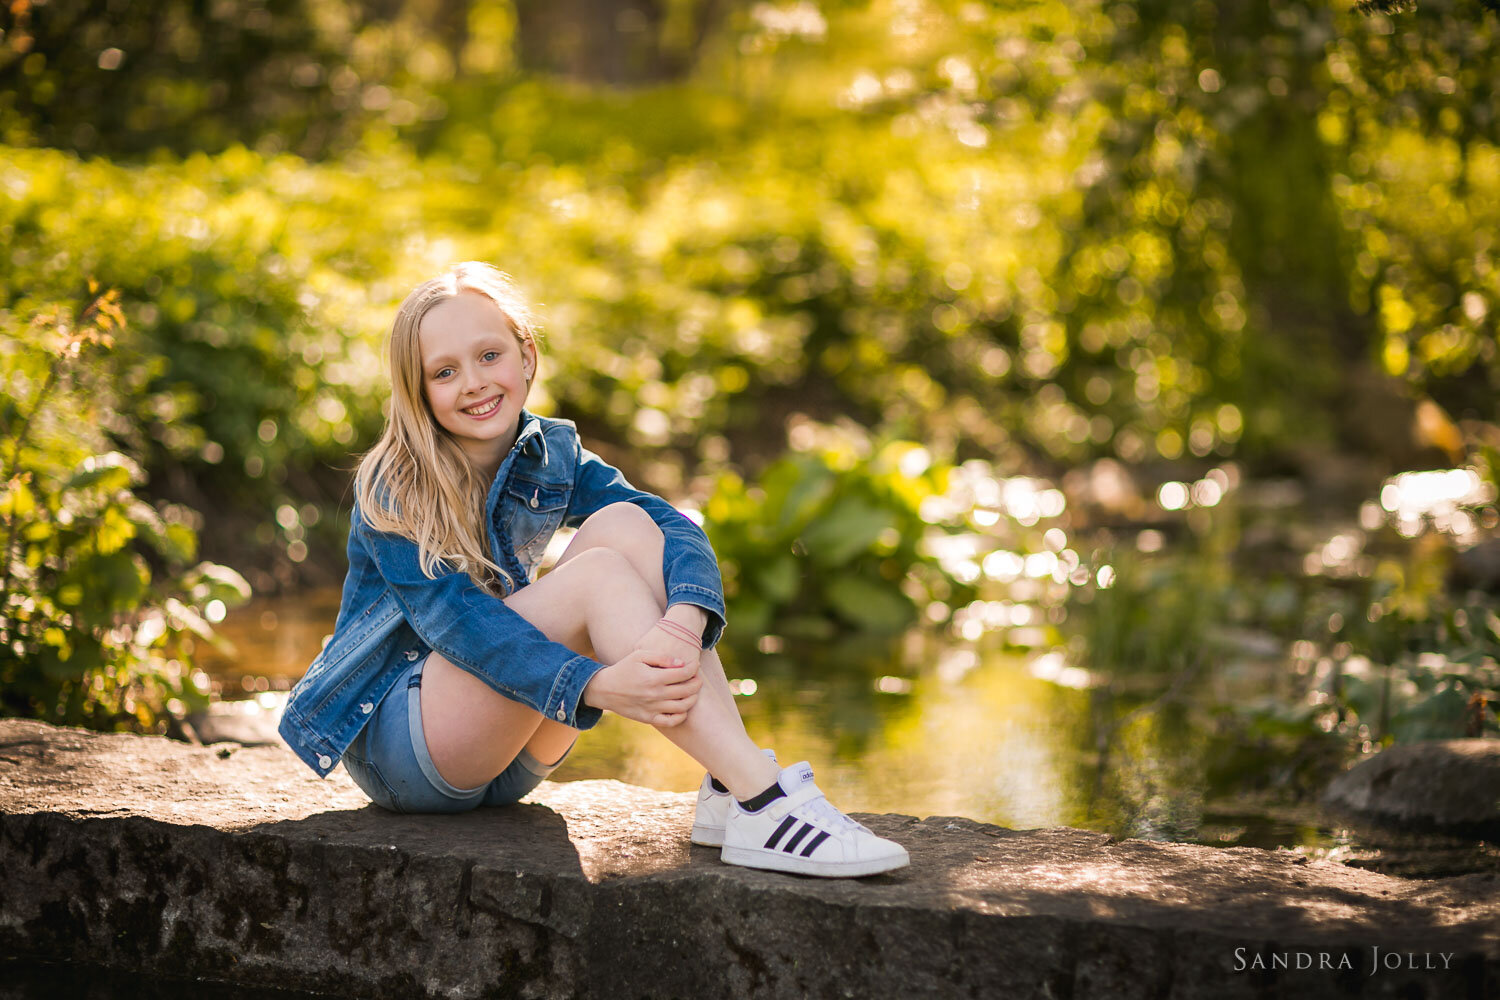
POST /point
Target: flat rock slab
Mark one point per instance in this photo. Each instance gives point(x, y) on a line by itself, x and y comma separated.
point(239, 865)
point(1451, 786)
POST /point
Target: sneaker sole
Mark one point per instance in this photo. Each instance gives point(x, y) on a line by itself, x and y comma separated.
point(750, 857)
point(708, 836)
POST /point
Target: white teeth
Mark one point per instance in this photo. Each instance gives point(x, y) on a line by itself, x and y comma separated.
point(482, 410)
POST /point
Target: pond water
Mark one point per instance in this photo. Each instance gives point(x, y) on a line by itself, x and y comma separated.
point(927, 727)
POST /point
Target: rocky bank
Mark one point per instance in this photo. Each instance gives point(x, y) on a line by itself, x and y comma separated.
point(237, 865)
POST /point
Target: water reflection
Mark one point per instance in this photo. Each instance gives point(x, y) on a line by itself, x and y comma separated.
point(273, 639)
point(982, 742)
point(916, 726)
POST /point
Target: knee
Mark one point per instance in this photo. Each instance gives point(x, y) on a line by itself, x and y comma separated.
point(625, 526)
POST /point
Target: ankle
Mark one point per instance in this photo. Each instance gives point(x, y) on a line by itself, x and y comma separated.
point(750, 777)
point(758, 802)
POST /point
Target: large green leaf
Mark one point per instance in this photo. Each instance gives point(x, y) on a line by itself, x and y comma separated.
point(846, 530)
point(779, 579)
point(210, 581)
point(1438, 716)
point(871, 606)
point(797, 491)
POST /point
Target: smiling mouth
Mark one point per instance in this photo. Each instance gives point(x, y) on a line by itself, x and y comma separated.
point(483, 408)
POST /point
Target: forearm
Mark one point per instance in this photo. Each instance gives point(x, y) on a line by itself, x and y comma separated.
point(689, 615)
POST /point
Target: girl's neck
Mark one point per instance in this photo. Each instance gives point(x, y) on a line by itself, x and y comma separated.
point(489, 460)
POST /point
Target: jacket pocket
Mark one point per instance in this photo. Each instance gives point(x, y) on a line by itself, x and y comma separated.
point(532, 513)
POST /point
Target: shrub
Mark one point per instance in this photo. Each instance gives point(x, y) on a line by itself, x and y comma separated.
point(101, 607)
point(826, 541)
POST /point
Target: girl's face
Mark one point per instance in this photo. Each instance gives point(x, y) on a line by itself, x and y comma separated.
point(474, 372)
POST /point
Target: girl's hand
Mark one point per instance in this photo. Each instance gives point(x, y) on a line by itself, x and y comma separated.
point(671, 644)
point(647, 687)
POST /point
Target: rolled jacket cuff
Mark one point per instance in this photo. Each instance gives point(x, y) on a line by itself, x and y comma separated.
point(565, 701)
point(710, 601)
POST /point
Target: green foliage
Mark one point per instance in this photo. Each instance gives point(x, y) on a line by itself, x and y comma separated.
point(1139, 616)
point(1369, 642)
point(101, 601)
point(825, 540)
point(1036, 234)
point(1159, 252)
point(1272, 743)
point(232, 393)
point(1416, 665)
point(132, 79)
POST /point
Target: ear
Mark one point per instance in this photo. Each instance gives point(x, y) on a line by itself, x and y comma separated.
point(528, 359)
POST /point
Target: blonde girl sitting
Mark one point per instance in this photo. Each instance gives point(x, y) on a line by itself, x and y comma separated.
point(456, 679)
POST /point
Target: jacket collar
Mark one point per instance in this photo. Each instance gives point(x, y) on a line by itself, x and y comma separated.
point(531, 438)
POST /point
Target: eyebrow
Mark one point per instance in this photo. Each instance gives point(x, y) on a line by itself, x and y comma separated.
point(484, 344)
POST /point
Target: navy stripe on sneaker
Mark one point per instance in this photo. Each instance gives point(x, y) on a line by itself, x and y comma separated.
point(781, 830)
point(812, 845)
point(791, 845)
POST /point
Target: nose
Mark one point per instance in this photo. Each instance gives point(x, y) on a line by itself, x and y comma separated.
point(473, 381)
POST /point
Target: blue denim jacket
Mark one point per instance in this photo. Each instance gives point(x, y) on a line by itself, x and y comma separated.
point(392, 614)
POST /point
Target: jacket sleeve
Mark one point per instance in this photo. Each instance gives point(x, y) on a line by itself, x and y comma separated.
point(689, 567)
point(480, 633)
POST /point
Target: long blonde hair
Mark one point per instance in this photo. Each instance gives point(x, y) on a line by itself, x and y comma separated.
point(417, 481)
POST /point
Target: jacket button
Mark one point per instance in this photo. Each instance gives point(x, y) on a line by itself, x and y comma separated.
point(562, 714)
point(411, 654)
point(367, 708)
point(325, 762)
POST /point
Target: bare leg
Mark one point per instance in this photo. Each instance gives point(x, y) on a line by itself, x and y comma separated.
point(473, 731)
point(595, 601)
point(713, 726)
point(630, 531)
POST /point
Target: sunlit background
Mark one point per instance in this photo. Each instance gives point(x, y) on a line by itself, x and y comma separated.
point(1093, 405)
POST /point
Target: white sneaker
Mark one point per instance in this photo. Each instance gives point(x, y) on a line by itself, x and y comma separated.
point(802, 832)
point(713, 806)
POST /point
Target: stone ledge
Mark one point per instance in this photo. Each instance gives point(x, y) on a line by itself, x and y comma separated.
point(239, 865)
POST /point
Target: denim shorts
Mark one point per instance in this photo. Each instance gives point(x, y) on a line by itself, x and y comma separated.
point(389, 761)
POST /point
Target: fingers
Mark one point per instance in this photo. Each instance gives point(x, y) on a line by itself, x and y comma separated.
point(673, 713)
point(661, 650)
point(679, 674)
point(658, 658)
point(662, 687)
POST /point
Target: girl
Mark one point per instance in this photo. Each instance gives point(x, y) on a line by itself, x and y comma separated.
point(455, 679)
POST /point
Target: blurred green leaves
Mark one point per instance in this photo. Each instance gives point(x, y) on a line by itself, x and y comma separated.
point(1048, 232)
point(828, 539)
point(100, 602)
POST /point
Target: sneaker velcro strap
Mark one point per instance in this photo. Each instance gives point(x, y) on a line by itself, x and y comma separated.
point(800, 797)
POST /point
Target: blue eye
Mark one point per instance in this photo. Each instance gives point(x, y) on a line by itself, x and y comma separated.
point(442, 373)
point(491, 354)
